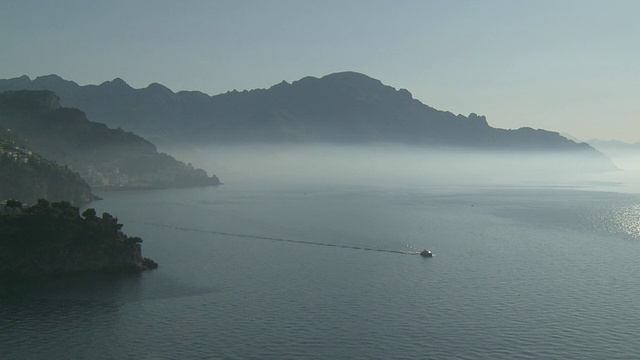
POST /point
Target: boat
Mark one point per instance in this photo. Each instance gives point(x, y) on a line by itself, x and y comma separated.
point(426, 253)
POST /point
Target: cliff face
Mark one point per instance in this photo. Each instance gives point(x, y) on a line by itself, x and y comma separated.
point(104, 157)
point(52, 239)
point(60, 260)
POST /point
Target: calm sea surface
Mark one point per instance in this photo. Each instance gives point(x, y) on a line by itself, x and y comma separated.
point(288, 272)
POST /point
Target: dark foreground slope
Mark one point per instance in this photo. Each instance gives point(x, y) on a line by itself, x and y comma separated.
point(52, 239)
point(103, 156)
point(28, 176)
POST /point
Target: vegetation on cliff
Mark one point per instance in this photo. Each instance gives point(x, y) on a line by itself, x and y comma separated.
point(52, 238)
point(28, 176)
point(104, 157)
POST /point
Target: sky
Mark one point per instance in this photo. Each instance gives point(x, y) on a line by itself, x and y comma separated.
point(571, 66)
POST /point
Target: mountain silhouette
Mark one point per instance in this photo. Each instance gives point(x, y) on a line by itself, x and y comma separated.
point(344, 108)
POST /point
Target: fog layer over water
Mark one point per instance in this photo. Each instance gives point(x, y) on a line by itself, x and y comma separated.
point(277, 263)
point(403, 165)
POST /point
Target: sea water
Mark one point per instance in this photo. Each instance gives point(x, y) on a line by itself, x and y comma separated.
point(254, 271)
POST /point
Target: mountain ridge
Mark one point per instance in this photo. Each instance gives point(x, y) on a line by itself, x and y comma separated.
point(343, 107)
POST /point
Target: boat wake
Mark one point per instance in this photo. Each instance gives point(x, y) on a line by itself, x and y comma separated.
point(411, 250)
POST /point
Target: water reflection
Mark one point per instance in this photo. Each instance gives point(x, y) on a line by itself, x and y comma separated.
point(624, 220)
point(99, 290)
point(102, 288)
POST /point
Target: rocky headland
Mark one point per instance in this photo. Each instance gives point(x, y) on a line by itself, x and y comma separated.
point(49, 239)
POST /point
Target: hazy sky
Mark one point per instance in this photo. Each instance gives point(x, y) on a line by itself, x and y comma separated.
point(568, 66)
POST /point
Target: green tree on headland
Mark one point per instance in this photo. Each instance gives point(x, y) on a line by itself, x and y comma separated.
point(52, 237)
point(13, 204)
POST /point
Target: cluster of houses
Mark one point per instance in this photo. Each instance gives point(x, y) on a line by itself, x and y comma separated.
point(15, 153)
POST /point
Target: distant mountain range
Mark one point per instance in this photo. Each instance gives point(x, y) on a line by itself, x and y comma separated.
point(614, 148)
point(104, 157)
point(344, 108)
